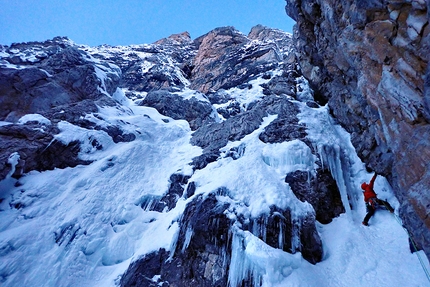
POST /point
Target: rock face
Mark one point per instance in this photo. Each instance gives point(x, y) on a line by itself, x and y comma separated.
point(39, 76)
point(149, 67)
point(201, 257)
point(37, 148)
point(320, 191)
point(226, 58)
point(59, 81)
point(170, 104)
point(369, 61)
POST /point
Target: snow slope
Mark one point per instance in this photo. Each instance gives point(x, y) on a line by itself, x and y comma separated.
point(83, 226)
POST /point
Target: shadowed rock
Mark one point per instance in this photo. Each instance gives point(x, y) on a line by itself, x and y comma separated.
point(192, 110)
point(38, 149)
point(320, 191)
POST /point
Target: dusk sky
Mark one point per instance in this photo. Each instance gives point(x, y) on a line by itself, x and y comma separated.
point(124, 22)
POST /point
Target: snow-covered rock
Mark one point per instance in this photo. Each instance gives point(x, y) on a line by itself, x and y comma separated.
point(184, 162)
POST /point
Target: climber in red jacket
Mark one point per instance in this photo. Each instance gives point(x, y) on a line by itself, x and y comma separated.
point(372, 202)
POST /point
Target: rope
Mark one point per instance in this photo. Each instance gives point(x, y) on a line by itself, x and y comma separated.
point(413, 244)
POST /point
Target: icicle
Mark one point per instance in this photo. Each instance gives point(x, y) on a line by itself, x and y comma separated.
point(333, 158)
point(264, 228)
point(295, 236)
point(174, 241)
point(238, 268)
point(320, 150)
point(281, 237)
point(241, 266)
point(188, 235)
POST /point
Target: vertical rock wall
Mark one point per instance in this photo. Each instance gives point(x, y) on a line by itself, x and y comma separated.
point(368, 59)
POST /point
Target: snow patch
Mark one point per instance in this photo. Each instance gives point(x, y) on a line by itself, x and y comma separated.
point(187, 94)
point(120, 97)
point(146, 66)
point(249, 95)
point(34, 118)
point(91, 140)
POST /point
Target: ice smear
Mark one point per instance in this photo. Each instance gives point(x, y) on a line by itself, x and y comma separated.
point(304, 92)
point(289, 156)
point(6, 185)
point(187, 94)
point(84, 223)
point(120, 97)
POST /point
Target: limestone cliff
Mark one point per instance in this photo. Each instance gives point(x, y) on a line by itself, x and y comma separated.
point(368, 60)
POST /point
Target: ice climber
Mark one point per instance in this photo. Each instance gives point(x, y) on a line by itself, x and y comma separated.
point(371, 200)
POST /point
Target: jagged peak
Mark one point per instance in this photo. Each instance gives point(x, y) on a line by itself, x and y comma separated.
point(221, 31)
point(180, 38)
point(261, 32)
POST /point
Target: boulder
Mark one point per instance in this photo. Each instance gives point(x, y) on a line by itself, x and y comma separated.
point(64, 75)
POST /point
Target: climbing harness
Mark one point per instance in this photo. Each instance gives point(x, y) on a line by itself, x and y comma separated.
point(374, 203)
point(413, 244)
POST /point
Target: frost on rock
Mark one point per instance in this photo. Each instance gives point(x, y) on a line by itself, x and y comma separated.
point(7, 183)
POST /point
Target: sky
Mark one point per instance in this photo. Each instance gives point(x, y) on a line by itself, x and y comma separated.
point(125, 22)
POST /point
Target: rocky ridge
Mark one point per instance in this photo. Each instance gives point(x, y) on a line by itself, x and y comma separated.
point(369, 61)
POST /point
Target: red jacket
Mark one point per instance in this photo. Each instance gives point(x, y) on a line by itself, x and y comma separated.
point(368, 189)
